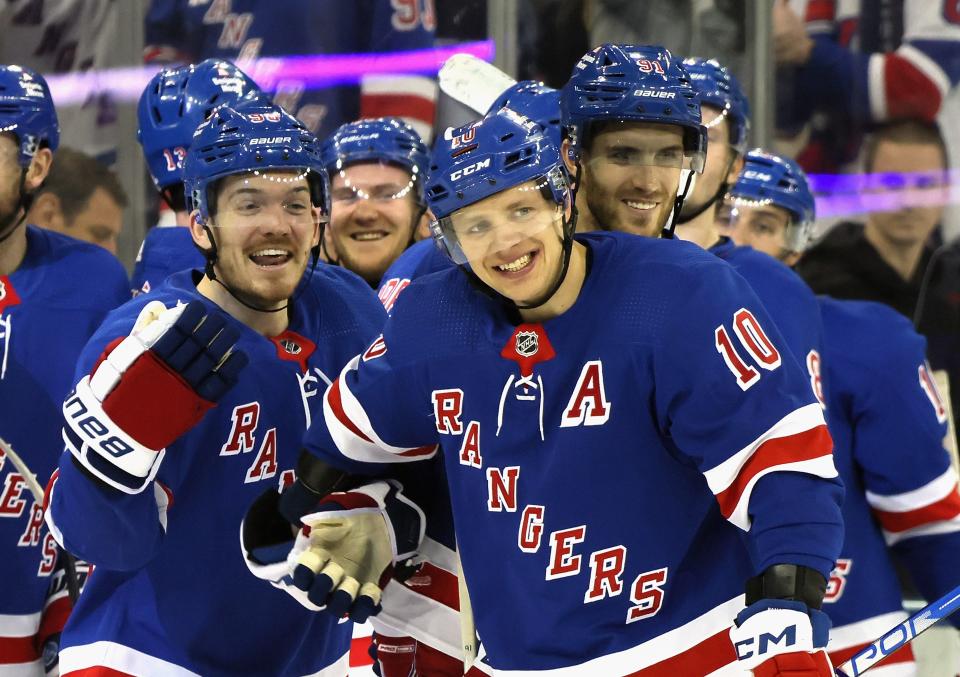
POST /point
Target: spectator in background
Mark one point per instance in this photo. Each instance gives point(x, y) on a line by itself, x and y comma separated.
point(845, 65)
point(186, 31)
point(885, 259)
point(81, 198)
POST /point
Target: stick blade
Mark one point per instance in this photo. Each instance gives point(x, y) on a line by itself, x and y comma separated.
point(473, 82)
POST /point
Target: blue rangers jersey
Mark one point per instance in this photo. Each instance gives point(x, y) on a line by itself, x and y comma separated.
point(420, 258)
point(600, 463)
point(242, 30)
point(49, 308)
point(788, 299)
point(164, 251)
point(171, 594)
point(888, 424)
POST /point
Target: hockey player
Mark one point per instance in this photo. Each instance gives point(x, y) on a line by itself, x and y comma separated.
point(172, 105)
point(54, 292)
point(527, 97)
point(244, 30)
point(377, 170)
point(622, 141)
point(658, 407)
point(888, 423)
point(157, 506)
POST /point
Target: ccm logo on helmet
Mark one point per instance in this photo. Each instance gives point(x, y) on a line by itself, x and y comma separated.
point(270, 139)
point(469, 169)
point(654, 94)
point(759, 176)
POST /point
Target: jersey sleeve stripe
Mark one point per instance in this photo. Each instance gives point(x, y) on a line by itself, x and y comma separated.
point(722, 476)
point(808, 452)
point(930, 529)
point(404, 85)
point(927, 66)
point(876, 86)
point(936, 489)
point(943, 510)
point(17, 644)
point(859, 632)
point(352, 432)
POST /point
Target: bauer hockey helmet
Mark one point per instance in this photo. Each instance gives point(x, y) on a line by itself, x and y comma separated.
point(536, 101)
point(252, 137)
point(388, 139)
point(633, 83)
point(719, 88)
point(27, 110)
point(768, 179)
point(173, 105)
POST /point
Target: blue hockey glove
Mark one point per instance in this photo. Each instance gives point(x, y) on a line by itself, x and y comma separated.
point(148, 389)
point(341, 558)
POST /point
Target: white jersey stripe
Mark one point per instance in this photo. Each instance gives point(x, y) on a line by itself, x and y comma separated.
point(720, 477)
point(931, 492)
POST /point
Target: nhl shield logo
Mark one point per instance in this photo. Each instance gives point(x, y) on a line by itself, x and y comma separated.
point(291, 346)
point(527, 343)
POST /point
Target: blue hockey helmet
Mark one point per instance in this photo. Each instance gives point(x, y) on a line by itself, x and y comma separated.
point(249, 138)
point(502, 151)
point(719, 88)
point(27, 110)
point(536, 101)
point(633, 83)
point(173, 105)
point(768, 179)
point(388, 139)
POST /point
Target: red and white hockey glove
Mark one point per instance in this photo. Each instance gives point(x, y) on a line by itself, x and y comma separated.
point(148, 389)
point(342, 556)
point(776, 637)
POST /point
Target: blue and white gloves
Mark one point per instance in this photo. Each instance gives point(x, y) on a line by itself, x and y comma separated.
point(342, 556)
point(148, 389)
point(779, 638)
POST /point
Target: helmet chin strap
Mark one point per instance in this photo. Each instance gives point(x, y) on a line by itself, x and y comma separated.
point(688, 181)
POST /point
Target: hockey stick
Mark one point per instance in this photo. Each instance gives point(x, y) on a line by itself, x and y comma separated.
point(468, 630)
point(900, 634)
point(473, 82)
point(69, 564)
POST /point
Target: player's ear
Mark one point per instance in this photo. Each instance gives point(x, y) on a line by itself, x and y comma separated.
point(198, 232)
point(39, 168)
point(318, 218)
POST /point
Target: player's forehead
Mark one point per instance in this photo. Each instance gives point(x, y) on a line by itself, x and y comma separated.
point(522, 195)
point(649, 135)
point(373, 173)
point(269, 182)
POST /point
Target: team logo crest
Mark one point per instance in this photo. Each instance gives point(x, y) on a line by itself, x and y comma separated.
point(291, 347)
point(528, 343)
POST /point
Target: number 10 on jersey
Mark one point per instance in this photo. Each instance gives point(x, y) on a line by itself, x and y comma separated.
point(754, 340)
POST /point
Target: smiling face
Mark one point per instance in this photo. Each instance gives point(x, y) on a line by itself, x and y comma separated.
point(374, 206)
point(631, 175)
point(513, 241)
point(264, 228)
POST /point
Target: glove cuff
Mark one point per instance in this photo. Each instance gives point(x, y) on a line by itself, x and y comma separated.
point(102, 447)
point(775, 626)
